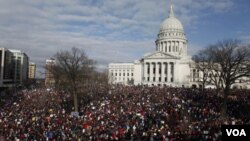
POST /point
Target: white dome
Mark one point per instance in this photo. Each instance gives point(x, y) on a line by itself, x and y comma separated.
point(171, 23)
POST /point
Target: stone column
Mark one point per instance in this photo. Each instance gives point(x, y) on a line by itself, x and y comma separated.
point(162, 72)
point(151, 74)
point(173, 71)
point(168, 72)
point(164, 49)
point(176, 78)
point(161, 46)
point(145, 71)
point(178, 44)
point(173, 46)
point(156, 72)
point(149, 67)
point(169, 47)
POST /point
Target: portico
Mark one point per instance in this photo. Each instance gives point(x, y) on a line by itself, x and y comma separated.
point(169, 64)
point(159, 72)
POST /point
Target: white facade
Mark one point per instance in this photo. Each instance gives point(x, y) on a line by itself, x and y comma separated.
point(121, 73)
point(169, 65)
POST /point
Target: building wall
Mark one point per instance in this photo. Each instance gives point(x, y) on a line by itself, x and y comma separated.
point(138, 73)
point(6, 71)
point(20, 66)
point(49, 77)
point(169, 72)
point(14, 67)
point(168, 65)
point(32, 70)
point(121, 73)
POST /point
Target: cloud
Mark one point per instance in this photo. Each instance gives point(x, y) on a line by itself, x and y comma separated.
point(109, 31)
point(245, 39)
point(194, 48)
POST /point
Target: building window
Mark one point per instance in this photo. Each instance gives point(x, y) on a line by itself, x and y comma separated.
point(132, 74)
point(154, 79)
point(159, 79)
point(119, 74)
point(148, 78)
point(165, 79)
point(127, 74)
point(169, 48)
point(148, 69)
point(172, 80)
point(111, 74)
point(172, 69)
point(123, 74)
point(195, 74)
point(115, 74)
point(154, 70)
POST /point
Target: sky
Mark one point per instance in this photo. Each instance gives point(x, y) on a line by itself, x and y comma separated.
point(115, 30)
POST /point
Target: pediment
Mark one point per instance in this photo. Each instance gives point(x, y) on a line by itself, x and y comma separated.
point(159, 55)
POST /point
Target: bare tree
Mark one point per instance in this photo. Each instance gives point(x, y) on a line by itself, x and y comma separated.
point(228, 61)
point(201, 63)
point(72, 68)
point(210, 69)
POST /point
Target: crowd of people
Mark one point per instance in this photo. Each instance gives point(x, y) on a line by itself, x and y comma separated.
point(127, 113)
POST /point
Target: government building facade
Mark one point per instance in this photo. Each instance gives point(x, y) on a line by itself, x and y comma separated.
point(168, 65)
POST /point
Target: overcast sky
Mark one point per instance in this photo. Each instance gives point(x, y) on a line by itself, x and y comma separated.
point(115, 30)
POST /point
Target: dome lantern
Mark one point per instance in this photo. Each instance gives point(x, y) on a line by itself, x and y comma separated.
point(171, 23)
point(171, 37)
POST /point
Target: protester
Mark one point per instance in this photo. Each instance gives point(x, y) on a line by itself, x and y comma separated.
point(123, 113)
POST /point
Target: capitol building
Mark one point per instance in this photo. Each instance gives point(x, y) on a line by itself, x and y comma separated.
point(168, 65)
